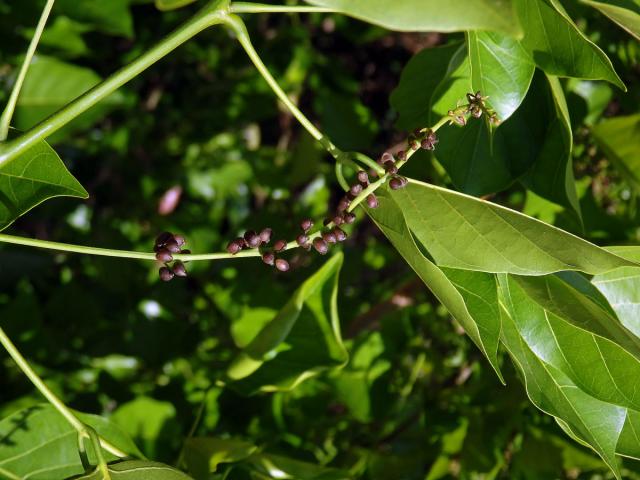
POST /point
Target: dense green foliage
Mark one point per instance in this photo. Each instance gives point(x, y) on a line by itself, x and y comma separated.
point(482, 322)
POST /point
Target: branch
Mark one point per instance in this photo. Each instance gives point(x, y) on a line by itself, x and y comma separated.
point(5, 119)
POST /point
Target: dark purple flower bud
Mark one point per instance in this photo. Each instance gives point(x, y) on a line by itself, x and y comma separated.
point(172, 246)
point(391, 168)
point(179, 270)
point(387, 157)
point(372, 201)
point(282, 265)
point(329, 237)
point(338, 220)
point(355, 189)
point(180, 240)
point(280, 245)
point(349, 217)
point(265, 235)
point(344, 204)
point(302, 239)
point(397, 183)
point(363, 177)
point(235, 246)
point(164, 256)
point(166, 275)
point(340, 234)
point(163, 238)
point(269, 258)
point(414, 144)
point(320, 245)
point(252, 239)
point(306, 225)
point(402, 155)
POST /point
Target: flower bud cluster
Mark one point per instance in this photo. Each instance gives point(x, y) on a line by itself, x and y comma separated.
point(252, 240)
point(476, 108)
point(166, 245)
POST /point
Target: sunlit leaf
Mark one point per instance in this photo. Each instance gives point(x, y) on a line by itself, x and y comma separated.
point(625, 13)
point(137, 470)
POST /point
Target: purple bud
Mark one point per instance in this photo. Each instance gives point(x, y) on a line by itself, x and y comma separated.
point(355, 189)
point(302, 239)
point(387, 157)
point(349, 217)
point(340, 234)
point(402, 155)
point(372, 201)
point(164, 256)
point(235, 246)
point(282, 265)
point(280, 245)
point(179, 270)
point(172, 246)
point(163, 238)
point(252, 239)
point(329, 237)
point(306, 225)
point(363, 178)
point(321, 246)
point(165, 274)
point(338, 220)
point(391, 168)
point(269, 258)
point(265, 235)
point(344, 204)
point(180, 240)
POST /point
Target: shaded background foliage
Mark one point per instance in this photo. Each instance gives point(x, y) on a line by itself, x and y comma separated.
point(416, 400)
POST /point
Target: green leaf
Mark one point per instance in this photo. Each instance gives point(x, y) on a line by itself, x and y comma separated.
point(112, 17)
point(50, 85)
point(277, 467)
point(625, 13)
point(570, 332)
point(557, 45)
point(431, 15)
point(40, 444)
point(500, 68)
point(149, 422)
point(464, 232)
point(166, 5)
point(551, 175)
point(619, 137)
point(421, 80)
point(31, 178)
point(137, 470)
point(302, 340)
point(202, 455)
point(621, 287)
point(471, 297)
point(597, 423)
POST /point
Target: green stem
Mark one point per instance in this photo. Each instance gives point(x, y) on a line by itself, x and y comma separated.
point(210, 15)
point(5, 119)
point(245, 7)
point(236, 24)
point(8, 474)
point(49, 395)
point(108, 252)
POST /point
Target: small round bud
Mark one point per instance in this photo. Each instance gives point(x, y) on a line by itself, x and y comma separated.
point(338, 220)
point(282, 265)
point(252, 239)
point(363, 177)
point(180, 240)
point(329, 237)
point(166, 275)
point(179, 270)
point(372, 201)
point(280, 245)
point(269, 258)
point(302, 239)
point(395, 183)
point(172, 246)
point(163, 238)
point(402, 155)
point(321, 246)
point(344, 204)
point(387, 157)
point(355, 189)
point(306, 225)
point(164, 256)
point(349, 217)
point(235, 246)
point(265, 235)
point(414, 144)
point(340, 234)
point(391, 168)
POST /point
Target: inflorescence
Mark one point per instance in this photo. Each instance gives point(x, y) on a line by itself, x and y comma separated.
point(331, 232)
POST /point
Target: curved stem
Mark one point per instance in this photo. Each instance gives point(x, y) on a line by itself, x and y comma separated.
point(5, 119)
point(49, 395)
point(245, 7)
point(208, 16)
point(236, 24)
